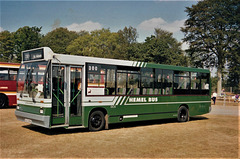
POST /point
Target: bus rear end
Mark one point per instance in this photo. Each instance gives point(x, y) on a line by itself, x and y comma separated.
point(8, 76)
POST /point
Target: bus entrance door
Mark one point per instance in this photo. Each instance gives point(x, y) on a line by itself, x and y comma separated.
point(66, 96)
point(75, 93)
point(58, 95)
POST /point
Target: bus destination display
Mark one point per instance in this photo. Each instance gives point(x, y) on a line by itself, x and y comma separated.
point(33, 55)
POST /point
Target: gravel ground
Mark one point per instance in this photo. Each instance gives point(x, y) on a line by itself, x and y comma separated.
point(214, 135)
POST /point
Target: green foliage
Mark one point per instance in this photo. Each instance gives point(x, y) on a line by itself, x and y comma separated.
point(128, 35)
point(161, 48)
point(212, 30)
point(98, 43)
point(59, 39)
point(26, 38)
point(234, 70)
point(7, 47)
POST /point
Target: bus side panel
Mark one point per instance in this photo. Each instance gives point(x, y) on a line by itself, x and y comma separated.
point(8, 86)
point(9, 89)
point(12, 101)
point(151, 109)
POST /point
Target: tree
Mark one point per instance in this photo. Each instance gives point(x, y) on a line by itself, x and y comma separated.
point(98, 43)
point(211, 30)
point(59, 39)
point(128, 41)
point(7, 47)
point(234, 70)
point(128, 35)
point(162, 48)
point(26, 38)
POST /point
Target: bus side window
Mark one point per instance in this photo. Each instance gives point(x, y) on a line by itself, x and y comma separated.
point(147, 81)
point(133, 84)
point(205, 83)
point(3, 74)
point(110, 81)
point(181, 82)
point(13, 74)
point(167, 87)
point(121, 83)
point(158, 81)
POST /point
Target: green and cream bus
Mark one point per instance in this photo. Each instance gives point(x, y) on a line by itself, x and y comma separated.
point(58, 90)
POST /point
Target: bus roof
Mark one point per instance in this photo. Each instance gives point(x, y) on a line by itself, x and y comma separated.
point(177, 68)
point(82, 60)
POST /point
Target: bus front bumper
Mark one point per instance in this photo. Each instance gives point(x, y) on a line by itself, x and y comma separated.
point(39, 120)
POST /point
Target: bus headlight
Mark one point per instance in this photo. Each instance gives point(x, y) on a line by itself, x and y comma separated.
point(41, 111)
point(18, 107)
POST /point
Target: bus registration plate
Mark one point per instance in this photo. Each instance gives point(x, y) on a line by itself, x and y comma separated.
point(28, 121)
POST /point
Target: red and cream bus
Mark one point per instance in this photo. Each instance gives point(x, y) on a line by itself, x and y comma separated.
point(8, 77)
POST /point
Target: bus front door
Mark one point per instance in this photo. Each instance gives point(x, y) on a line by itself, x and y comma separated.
point(58, 95)
point(66, 96)
point(75, 103)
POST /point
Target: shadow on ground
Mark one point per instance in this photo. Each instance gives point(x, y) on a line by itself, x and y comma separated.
point(59, 131)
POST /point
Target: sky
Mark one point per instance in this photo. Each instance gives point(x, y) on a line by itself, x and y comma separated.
point(91, 15)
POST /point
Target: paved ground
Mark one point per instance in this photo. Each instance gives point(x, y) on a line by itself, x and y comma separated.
point(214, 135)
point(225, 110)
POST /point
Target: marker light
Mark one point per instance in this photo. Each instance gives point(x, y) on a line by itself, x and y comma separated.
point(41, 111)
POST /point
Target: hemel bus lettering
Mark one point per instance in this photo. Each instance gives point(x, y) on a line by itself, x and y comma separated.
point(135, 99)
point(142, 99)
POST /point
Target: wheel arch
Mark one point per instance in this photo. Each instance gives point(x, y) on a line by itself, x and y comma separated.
point(185, 105)
point(105, 112)
point(98, 109)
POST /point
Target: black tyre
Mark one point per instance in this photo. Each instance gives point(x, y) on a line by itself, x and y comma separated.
point(183, 114)
point(96, 121)
point(3, 101)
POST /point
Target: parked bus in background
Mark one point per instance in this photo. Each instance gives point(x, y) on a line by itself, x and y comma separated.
point(57, 90)
point(8, 77)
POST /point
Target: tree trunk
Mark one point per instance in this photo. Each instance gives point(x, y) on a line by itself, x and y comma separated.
point(219, 83)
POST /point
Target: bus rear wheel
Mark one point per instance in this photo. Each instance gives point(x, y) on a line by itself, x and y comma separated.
point(183, 114)
point(3, 101)
point(96, 121)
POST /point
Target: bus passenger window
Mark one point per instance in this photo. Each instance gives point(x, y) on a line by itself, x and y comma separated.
point(158, 81)
point(121, 83)
point(110, 82)
point(205, 83)
point(167, 86)
point(147, 81)
point(195, 81)
point(133, 83)
point(3, 74)
point(13, 74)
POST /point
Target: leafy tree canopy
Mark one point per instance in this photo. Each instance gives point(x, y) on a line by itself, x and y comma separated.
point(59, 39)
point(7, 47)
point(98, 43)
point(212, 31)
point(26, 38)
point(161, 48)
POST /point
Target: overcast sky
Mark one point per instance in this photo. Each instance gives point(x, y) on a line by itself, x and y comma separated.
point(90, 15)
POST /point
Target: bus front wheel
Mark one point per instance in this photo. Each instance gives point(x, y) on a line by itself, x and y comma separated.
point(183, 114)
point(96, 121)
point(3, 101)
